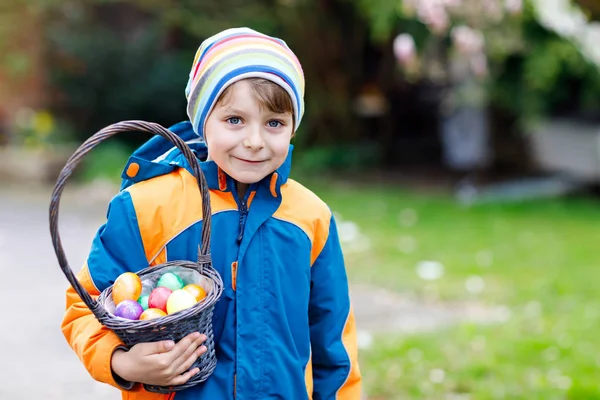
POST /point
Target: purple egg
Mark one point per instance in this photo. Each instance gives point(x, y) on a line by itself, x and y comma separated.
point(129, 309)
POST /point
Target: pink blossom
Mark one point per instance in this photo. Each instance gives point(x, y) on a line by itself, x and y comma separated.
point(433, 14)
point(404, 48)
point(467, 40)
point(439, 21)
point(493, 9)
point(513, 7)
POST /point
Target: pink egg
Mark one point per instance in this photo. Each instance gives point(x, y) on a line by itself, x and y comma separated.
point(158, 298)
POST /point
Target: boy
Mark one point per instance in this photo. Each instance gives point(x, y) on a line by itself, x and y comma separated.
point(284, 327)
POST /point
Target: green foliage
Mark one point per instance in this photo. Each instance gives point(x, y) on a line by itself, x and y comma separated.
point(114, 60)
point(548, 76)
point(105, 77)
point(386, 19)
point(201, 19)
point(382, 16)
point(105, 162)
point(351, 157)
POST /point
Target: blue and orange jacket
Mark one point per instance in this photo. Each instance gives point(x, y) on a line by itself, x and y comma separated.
point(284, 326)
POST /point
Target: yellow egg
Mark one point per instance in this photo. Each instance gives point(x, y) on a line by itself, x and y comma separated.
point(197, 290)
point(180, 300)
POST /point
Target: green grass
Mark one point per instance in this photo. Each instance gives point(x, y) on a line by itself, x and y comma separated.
point(540, 259)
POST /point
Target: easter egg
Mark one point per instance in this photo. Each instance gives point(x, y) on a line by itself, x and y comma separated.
point(128, 286)
point(158, 298)
point(180, 300)
point(143, 300)
point(197, 290)
point(129, 309)
point(152, 313)
point(170, 280)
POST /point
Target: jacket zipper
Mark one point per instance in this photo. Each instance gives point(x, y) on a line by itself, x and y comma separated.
point(243, 214)
point(243, 208)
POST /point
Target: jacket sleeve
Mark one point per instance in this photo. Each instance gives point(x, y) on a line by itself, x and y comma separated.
point(335, 370)
point(116, 248)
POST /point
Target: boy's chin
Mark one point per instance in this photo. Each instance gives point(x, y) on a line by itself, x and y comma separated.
point(248, 179)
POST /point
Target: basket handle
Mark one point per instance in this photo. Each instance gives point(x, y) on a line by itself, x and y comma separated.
point(86, 147)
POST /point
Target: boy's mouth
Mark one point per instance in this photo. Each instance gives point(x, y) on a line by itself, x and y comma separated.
point(249, 161)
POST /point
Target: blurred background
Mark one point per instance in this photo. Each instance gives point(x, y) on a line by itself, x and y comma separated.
point(457, 141)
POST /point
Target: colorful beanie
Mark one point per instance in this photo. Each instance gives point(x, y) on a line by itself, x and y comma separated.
point(236, 54)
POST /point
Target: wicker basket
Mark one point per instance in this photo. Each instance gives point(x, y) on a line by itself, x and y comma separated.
point(197, 318)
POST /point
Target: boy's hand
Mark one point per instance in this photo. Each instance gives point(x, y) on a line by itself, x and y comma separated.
point(160, 363)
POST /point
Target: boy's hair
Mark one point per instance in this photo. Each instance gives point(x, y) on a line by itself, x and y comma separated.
point(269, 95)
point(242, 53)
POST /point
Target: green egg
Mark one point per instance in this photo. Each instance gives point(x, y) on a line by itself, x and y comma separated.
point(143, 300)
point(170, 280)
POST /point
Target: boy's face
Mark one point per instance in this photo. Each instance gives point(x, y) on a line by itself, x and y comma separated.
point(245, 140)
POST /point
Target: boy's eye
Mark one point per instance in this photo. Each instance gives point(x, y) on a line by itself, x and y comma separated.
point(234, 120)
point(274, 124)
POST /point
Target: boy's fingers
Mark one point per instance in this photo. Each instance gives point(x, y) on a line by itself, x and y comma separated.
point(158, 347)
point(181, 379)
point(191, 349)
point(186, 364)
point(181, 346)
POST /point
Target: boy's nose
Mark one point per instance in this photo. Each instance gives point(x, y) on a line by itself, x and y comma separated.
point(254, 139)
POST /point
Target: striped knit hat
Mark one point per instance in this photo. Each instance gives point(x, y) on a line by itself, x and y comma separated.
point(236, 54)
